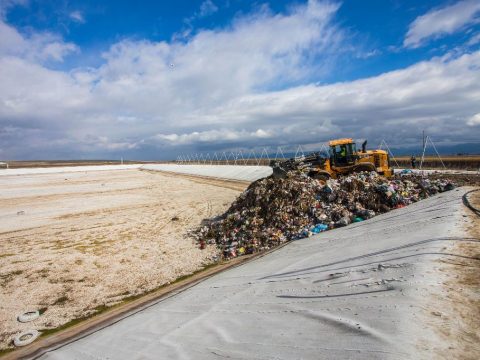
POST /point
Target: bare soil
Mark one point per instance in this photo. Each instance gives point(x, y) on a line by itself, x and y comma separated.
point(72, 244)
point(456, 316)
point(459, 179)
point(463, 162)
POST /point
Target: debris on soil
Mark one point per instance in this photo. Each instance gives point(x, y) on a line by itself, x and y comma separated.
point(275, 210)
point(459, 179)
point(25, 338)
point(100, 248)
point(28, 316)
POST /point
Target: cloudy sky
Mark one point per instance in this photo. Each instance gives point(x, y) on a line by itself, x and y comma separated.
point(104, 79)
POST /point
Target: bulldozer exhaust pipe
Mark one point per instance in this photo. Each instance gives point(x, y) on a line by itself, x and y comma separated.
point(364, 146)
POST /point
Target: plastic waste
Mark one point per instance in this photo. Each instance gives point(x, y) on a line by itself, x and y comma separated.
point(272, 210)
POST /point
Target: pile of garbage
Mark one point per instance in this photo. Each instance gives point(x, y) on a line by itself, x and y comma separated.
point(275, 210)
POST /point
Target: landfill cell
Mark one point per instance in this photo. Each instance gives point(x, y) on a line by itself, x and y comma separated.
point(274, 210)
point(397, 286)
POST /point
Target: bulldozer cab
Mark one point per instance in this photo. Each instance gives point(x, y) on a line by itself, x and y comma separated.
point(343, 152)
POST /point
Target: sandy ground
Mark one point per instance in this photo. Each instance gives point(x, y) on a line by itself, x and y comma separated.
point(71, 243)
point(456, 307)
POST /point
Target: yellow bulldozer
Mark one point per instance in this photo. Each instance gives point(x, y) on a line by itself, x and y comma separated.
point(343, 159)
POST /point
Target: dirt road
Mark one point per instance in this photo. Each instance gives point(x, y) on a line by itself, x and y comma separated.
point(73, 243)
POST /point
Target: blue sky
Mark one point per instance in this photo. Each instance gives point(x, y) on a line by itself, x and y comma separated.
point(379, 27)
point(152, 80)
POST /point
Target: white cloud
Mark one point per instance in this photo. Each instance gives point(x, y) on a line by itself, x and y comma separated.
point(207, 8)
point(214, 136)
point(441, 22)
point(104, 142)
point(137, 83)
point(475, 39)
point(77, 16)
point(36, 47)
point(474, 120)
point(436, 95)
point(223, 92)
point(260, 133)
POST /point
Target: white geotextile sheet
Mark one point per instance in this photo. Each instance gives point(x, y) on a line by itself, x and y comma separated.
point(358, 292)
point(66, 169)
point(231, 172)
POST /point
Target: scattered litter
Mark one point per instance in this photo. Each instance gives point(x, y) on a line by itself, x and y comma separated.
point(28, 316)
point(25, 338)
point(275, 210)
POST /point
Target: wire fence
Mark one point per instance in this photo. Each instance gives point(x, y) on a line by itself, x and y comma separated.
point(257, 158)
point(241, 157)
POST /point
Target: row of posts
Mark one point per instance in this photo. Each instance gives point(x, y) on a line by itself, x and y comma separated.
point(237, 157)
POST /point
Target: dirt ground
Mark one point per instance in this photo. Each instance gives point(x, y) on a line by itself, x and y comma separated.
point(456, 310)
point(459, 179)
point(73, 243)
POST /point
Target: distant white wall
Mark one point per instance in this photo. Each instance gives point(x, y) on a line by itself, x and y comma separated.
point(230, 172)
point(66, 169)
